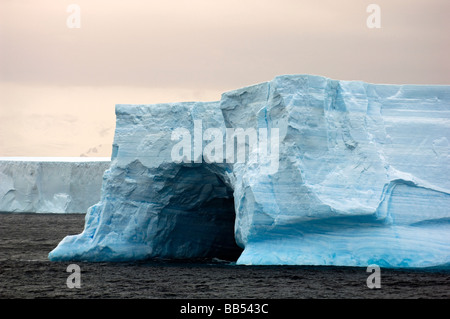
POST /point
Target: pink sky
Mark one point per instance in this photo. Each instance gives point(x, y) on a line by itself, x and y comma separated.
point(58, 86)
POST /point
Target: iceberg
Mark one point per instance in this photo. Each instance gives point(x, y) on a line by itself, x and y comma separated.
point(50, 184)
point(336, 172)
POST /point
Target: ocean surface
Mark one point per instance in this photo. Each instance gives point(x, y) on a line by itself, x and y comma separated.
point(25, 273)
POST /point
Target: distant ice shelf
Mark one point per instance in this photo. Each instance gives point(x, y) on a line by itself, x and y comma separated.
point(50, 184)
point(54, 159)
point(362, 179)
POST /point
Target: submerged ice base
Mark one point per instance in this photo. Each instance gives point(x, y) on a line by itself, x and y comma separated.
point(362, 179)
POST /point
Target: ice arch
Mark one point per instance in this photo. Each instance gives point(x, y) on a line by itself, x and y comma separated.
point(198, 217)
point(152, 206)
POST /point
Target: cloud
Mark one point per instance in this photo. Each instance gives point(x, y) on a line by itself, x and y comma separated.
point(213, 44)
point(45, 120)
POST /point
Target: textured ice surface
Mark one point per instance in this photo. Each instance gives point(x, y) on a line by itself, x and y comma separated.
point(362, 179)
point(50, 184)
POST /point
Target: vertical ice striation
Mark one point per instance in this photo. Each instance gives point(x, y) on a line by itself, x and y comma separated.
point(361, 178)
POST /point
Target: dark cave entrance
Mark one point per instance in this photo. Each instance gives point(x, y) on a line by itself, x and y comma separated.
point(203, 208)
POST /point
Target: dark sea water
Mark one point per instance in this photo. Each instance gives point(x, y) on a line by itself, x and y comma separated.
point(25, 272)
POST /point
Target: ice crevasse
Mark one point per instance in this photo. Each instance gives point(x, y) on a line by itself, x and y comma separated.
point(361, 178)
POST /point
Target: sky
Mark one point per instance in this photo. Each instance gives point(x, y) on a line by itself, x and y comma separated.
point(59, 84)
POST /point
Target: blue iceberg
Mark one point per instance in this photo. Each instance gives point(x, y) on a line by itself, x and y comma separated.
point(357, 175)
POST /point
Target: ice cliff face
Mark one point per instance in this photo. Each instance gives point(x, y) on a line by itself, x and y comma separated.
point(50, 185)
point(360, 178)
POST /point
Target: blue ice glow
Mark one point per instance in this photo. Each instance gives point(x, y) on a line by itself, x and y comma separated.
point(362, 179)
